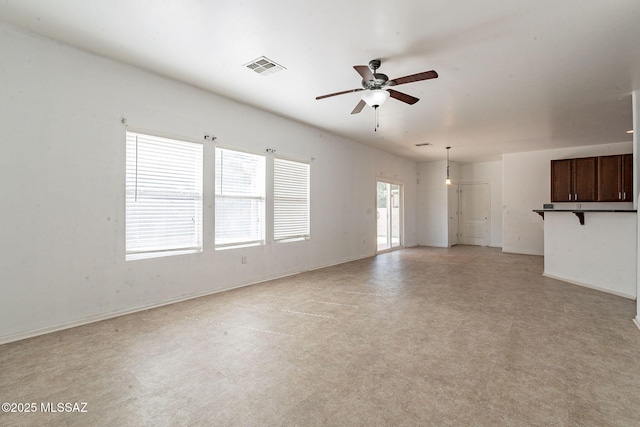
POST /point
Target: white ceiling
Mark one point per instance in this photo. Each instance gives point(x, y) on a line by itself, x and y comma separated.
point(515, 75)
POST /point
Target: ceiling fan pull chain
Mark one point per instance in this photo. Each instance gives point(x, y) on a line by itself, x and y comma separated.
point(377, 124)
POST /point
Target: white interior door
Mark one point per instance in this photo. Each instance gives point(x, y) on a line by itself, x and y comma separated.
point(474, 214)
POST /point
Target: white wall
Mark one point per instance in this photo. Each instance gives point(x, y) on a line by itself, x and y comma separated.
point(62, 164)
point(433, 198)
point(490, 172)
point(526, 179)
point(433, 203)
point(574, 252)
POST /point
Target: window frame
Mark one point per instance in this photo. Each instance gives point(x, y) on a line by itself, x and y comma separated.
point(259, 198)
point(306, 235)
point(162, 196)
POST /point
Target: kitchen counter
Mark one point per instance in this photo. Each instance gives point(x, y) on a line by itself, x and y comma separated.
point(599, 253)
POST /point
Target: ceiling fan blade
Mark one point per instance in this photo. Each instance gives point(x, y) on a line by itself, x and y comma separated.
point(359, 107)
point(365, 72)
point(403, 97)
point(426, 75)
point(339, 93)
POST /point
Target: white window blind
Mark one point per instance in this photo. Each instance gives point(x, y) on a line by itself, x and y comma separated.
point(290, 200)
point(240, 198)
point(163, 196)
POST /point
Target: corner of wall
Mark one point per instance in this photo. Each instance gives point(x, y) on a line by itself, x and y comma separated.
point(635, 100)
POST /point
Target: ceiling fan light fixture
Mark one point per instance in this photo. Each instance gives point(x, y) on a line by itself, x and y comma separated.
point(375, 97)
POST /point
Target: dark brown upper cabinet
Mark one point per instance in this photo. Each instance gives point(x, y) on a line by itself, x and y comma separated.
point(627, 177)
point(574, 180)
point(615, 180)
point(561, 181)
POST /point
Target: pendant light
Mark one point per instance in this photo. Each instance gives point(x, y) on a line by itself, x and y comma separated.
point(448, 180)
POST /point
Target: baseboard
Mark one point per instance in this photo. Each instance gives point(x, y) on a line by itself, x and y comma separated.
point(331, 264)
point(585, 285)
point(636, 320)
point(508, 251)
point(106, 316)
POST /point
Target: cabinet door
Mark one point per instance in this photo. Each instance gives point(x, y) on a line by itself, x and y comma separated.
point(610, 179)
point(627, 178)
point(584, 179)
point(561, 181)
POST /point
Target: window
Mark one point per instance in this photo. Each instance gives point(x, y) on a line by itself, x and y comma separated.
point(290, 200)
point(163, 196)
point(240, 198)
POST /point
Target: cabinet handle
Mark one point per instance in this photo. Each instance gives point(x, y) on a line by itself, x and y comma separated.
point(624, 196)
point(576, 198)
point(619, 196)
point(569, 196)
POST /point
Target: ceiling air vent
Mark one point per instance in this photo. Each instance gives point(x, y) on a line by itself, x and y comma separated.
point(424, 144)
point(264, 66)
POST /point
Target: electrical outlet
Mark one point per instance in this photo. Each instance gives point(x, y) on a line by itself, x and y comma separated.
point(244, 259)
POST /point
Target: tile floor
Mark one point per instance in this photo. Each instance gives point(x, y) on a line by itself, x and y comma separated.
point(418, 337)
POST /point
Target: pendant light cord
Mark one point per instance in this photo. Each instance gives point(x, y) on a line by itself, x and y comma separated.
point(448, 180)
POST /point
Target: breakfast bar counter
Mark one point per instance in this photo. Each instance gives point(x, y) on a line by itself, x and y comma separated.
point(592, 248)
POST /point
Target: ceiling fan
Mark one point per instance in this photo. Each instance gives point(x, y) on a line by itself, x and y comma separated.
point(374, 84)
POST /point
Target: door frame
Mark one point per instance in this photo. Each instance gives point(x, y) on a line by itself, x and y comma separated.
point(453, 215)
point(401, 206)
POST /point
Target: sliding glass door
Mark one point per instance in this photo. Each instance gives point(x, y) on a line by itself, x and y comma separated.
point(389, 214)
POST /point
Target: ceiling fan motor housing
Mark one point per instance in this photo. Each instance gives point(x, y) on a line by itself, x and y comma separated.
point(378, 81)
